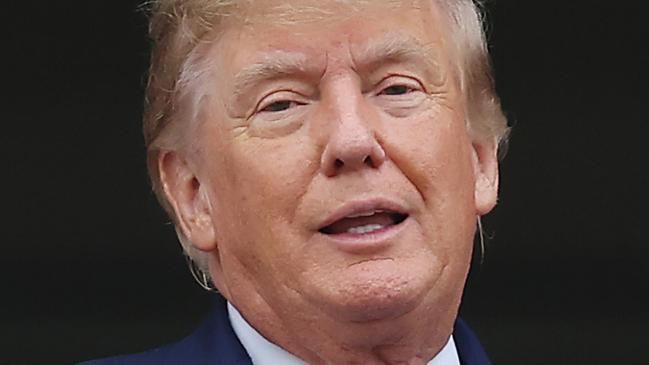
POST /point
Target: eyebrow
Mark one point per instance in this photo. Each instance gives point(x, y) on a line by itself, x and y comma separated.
point(274, 64)
point(399, 48)
point(279, 63)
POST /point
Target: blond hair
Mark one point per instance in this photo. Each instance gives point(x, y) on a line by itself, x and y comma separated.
point(179, 29)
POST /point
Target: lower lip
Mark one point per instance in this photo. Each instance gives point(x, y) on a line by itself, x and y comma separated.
point(366, 242)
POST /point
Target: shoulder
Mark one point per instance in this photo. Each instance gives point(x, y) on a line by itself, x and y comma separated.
point(214, 342)
point(181, 352)
point(163, 355)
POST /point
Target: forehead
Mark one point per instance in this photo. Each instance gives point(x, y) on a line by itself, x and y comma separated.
point(314, 29)
point(296, 14)
point(308, 11)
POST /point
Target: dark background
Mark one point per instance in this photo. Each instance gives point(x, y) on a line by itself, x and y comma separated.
point(91, 266)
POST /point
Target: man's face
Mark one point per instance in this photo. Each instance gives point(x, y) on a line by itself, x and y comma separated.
point(337, 163)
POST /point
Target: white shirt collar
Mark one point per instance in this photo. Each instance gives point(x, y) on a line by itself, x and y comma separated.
point(264, 352)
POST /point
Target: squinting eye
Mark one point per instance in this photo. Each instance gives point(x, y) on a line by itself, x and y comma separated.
point(396, 90)
point(279, 106)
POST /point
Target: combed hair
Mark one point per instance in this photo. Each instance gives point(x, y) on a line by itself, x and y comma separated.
point(181, 29)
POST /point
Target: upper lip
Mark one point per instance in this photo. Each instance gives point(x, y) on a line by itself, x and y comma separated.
point(361, 207)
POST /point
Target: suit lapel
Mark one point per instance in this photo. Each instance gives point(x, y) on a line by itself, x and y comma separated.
point(218, 344)
point(468, 347)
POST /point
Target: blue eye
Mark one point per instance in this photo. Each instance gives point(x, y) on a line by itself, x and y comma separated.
point(396, 90)
point(278, 106)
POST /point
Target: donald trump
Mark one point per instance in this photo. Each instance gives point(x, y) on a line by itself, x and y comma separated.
point(325, 164)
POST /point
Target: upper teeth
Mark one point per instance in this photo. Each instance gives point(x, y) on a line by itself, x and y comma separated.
point(365, 214)
point(365, 229)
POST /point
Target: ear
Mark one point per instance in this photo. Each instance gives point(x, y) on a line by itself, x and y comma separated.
point(188, 198)
point(485, 167)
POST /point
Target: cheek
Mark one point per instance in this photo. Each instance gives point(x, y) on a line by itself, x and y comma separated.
point(257, 185)
point(434, 152)
point(270, 175)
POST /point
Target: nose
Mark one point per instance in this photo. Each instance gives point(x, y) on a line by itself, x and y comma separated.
point(352, 144)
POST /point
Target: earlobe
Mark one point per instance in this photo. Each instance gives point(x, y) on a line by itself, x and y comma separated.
point(189, 200)
point(485, 167)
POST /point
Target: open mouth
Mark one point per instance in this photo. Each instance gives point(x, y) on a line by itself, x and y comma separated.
point(365, 223)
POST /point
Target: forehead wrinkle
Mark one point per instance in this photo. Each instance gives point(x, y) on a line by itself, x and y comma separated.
point(398, 47)
point(271, 65)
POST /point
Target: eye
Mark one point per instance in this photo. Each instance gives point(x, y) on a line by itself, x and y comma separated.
point(396, 90)
point(279, 106)
point(400, 95)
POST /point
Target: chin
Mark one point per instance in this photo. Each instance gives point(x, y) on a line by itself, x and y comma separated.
point(377, 290)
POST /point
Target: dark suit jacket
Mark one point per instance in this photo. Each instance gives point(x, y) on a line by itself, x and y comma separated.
point(215, 343)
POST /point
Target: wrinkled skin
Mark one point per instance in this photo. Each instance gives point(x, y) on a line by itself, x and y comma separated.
point(273, 157)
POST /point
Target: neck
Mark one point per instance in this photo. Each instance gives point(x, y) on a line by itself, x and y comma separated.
point(412, 338)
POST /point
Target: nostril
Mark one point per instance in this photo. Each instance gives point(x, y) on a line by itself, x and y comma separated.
point(368, 161)
point(339, 163)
